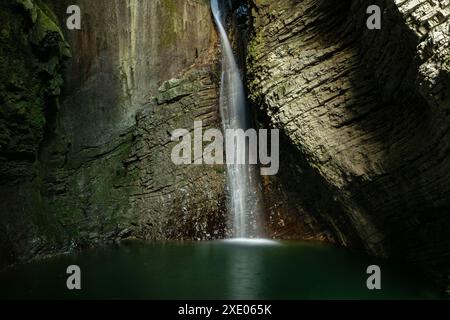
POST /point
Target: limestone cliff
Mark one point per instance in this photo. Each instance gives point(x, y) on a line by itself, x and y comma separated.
point(140, 70)
point(365, 115)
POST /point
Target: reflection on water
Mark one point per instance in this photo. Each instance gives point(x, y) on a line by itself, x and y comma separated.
point(243, 272)
point(257, 269)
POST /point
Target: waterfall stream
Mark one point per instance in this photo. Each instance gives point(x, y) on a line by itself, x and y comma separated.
point(244, 195)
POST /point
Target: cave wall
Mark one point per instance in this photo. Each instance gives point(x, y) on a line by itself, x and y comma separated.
point(366, 117)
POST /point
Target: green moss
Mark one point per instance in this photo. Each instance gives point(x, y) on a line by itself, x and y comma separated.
point(257, 43)
point(219, 169)
point(446, 64)
point(254, 54)
point(169, 19)
point(97, 193)
point(32, 53)
point(32, 50)
point(46, 223)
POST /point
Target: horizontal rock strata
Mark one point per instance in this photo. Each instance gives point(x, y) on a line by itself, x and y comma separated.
point(368, 113)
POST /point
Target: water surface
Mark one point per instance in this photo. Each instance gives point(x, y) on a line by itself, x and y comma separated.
point(215, 270)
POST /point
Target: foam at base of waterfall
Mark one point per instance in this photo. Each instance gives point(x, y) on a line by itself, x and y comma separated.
point(252, 242)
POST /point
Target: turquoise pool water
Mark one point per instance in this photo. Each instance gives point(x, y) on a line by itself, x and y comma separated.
point(215, 270)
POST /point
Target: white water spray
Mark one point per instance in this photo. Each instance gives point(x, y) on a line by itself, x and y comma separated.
point(244, 206)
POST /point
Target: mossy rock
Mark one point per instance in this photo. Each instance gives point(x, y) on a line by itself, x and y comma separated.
point(32, 53)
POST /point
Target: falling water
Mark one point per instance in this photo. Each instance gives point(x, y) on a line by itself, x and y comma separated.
point(244, 204)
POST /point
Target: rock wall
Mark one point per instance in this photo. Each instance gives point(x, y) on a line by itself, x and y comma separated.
point(364, 118)
point(120, 168)
point(122, 54)
point(140, 69)
point(366, 115)
point(32, 52)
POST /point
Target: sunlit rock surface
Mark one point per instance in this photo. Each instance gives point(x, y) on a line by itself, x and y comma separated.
point(366, 113)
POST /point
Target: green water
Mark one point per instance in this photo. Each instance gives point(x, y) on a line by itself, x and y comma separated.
point(214, 270)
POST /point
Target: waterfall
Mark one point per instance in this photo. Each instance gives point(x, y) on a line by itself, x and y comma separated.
point(244, 195)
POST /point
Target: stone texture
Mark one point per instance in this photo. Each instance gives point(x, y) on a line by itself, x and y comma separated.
point(140, 69)
point(130, 187)
point(32, 51)
point(122, 54)
point(367, 115)
point(170, 201)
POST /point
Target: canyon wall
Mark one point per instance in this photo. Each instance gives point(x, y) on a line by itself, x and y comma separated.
point(364, 116)
point(140, 70)
point(365, 119)
point(101, 169)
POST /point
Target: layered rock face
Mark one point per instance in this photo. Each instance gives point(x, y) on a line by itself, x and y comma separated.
point(140, 70)
point(120, 168)
point(122, 54)
point(365, 117)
